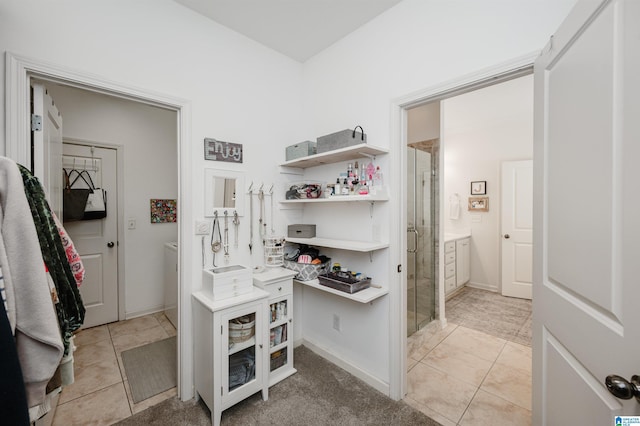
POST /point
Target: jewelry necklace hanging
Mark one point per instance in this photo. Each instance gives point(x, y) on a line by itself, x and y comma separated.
point(226, 236)
point(216, 242)
point(236, 223)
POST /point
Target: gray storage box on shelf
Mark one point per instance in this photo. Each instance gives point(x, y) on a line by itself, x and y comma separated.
point(341, 139)
point(302, 149)
point(301, 231)
point(306, 271)
point(348, 286)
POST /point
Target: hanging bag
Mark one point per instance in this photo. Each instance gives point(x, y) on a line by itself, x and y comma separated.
point(96, 205)
point(74, 200)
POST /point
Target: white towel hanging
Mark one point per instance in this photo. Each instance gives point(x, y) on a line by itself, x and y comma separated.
point(454, 206)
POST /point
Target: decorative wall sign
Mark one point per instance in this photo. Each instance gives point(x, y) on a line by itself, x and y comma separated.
point(163, 211)
point(479, 204)
point(216, 150)
point(479, 187)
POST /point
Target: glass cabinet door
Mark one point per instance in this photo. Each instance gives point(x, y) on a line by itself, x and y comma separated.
point(279, 332)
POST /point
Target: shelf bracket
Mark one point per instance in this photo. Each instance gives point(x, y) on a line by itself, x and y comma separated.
point(371, 209)
point(366, 154)
point(370, 257)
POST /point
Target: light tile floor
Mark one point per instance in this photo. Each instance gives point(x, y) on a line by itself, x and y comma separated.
point(100, 394)
point(460, 376)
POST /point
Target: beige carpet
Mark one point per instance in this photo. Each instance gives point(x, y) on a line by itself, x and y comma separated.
point(506, 317)
point(151, 369)
point(319, 394)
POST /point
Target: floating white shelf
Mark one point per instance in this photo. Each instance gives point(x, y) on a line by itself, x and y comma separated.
point(363, 296)
point(361, 246)
point(341, 199)
point(343, 154)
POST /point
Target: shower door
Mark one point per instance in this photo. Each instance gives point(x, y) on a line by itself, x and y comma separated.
point(421, 226)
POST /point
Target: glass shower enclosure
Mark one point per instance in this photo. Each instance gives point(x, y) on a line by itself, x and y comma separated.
point(422, 233)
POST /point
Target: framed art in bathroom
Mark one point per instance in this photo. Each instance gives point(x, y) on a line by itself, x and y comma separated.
point(479, 187)
point(479, 204)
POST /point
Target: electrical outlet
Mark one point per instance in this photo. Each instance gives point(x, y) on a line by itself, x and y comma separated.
point(336, 322)
point(202, 227)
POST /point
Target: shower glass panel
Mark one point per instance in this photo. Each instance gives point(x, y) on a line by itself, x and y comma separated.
point(421, 230)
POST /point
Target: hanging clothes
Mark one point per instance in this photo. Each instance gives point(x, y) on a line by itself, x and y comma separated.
point(70, 310)
point(70, 250)
point(30, 311)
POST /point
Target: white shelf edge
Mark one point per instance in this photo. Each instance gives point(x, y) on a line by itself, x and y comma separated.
point(237, 347)
point(339, 199)
point(361, 246)
point(342, 154)
point(363, 296)
point(278, 347)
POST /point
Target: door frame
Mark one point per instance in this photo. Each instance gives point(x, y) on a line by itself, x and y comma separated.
point(499, 73)
point(120, 200)
point(19, 71)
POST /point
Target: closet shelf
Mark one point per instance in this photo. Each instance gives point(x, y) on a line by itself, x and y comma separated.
point(363, 296)
point(343, 154)
point(361, 246)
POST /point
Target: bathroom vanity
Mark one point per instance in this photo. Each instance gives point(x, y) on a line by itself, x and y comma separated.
point(456, 261)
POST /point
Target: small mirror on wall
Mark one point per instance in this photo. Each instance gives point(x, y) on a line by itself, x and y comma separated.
point(223, 190)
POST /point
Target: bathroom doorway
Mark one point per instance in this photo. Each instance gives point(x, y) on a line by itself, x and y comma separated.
point(422, 232)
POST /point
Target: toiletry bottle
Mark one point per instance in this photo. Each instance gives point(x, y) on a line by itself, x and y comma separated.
point(345, 187)
point(337, 190)
point(377, 178)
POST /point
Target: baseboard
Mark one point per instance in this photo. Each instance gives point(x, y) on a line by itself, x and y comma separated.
point(369, 379)
point(131, 315)
point(483, 286)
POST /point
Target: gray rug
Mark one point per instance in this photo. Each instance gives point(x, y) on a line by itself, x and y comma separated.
point(506, 317)
point(151, 369)
point(320, 393)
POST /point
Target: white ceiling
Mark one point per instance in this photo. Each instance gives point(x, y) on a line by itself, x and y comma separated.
point(297, 28)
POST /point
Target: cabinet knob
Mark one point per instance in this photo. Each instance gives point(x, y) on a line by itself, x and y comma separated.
point(260, 345)
point(507, 236)
point(279, 288)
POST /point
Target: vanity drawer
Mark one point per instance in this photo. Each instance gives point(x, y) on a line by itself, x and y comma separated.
point(450, 270)
point(450, 246)
point(449, 258)
point(449, 284)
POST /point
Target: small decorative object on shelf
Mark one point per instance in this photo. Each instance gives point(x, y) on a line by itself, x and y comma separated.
point(273, 251)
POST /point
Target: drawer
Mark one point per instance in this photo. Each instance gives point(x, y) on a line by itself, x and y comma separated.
point(449, 258)
point(450, 246)
point(449, 284)
point(230, 290)
point(280, 288)
point(450, 270)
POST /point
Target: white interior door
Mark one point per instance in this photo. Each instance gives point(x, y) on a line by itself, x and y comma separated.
point(47, 145)
point(586, 321)
point(96, 240)
point(517, 228)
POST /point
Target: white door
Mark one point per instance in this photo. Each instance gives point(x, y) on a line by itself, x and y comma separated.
point(586, 320)
point(96, 240)
point(47, 145)
point(517, 228)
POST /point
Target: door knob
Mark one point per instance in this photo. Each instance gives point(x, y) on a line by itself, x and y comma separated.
point(507, 236)
point(623, 389)
point(110, 244)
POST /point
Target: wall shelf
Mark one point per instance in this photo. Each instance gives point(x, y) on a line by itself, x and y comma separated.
point(341, 199)
point(363, 296)
point(360, 246)
point(343, 154)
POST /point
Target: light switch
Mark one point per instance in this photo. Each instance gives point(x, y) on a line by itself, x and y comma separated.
point(202, 227)
point(131, 223)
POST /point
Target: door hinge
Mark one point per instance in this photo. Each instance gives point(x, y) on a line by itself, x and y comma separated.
point(221, 329)
point(36, 123)
point(399, 268)
point(221, 391)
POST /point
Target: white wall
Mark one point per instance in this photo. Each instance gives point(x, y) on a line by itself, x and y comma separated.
point(481, 130)
point(416, 45)
point(149, 137)
point(236, 89)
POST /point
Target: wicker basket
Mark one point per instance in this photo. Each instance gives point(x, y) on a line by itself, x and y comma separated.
point(307, 272)
point(241, 329)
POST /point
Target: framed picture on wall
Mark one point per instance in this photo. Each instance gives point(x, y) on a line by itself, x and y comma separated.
point(479, 204)
point(479, 187)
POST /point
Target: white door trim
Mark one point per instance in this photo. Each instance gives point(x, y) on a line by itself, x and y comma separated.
point(19, 71)
point(398, 160)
